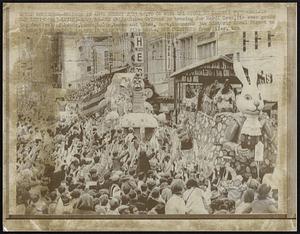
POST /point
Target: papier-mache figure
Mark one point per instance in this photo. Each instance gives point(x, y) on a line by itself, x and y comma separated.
point(138, 83)
point(249, 128)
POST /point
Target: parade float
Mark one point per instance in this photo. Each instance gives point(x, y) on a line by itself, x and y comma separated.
point(127, 107)
point(142, 121)
point(225, 136)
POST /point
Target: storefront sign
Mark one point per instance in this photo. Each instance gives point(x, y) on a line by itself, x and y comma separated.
point(264, 78)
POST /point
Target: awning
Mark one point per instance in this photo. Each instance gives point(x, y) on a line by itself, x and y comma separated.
point(164, 99)
point(119, 69)
point(138, 120)
point(203, 62)
point(200, 63)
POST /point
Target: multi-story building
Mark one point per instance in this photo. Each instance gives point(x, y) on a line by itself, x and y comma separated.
point(102, 55)
point(82, 58)
point(160, 55)
point(258, 52)
point(202, 58)
point(193, 47)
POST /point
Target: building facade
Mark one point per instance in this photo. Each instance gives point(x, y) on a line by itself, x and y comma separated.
point(160, 54)
point(83, 58)
point(258, 52)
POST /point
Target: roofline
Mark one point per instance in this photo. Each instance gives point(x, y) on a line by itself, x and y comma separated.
point(200, 63)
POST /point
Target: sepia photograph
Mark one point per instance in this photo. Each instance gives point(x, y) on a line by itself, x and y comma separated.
point(159, 113)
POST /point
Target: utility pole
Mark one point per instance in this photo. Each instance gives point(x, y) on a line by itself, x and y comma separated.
point(175, 83)
point(270, 38)
point(256, 40)
point(174, 55)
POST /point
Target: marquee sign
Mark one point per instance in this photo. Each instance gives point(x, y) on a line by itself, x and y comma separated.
point(137, 54)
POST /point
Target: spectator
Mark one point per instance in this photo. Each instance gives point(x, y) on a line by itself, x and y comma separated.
point(246, 206)
point(263, 203)
point(193, 197)
point(176, 204)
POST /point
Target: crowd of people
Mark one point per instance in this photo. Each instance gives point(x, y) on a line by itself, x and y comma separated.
point(85, 165)
point(87, 90)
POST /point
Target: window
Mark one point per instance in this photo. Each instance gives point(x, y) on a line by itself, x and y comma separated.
point(206, 50)
point(153, 54)
point(88, 68)
point(187, 50)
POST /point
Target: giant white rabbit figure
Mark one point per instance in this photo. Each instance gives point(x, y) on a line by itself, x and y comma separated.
point(248, 127)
